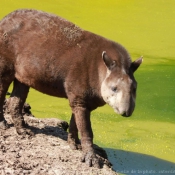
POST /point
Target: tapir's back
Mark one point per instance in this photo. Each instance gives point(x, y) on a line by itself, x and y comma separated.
point(36, 29)
point(49, 51)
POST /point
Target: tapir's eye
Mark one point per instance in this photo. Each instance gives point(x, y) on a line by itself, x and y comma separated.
point(114, 89)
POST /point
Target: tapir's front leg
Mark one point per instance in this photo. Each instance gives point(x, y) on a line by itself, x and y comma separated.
point(82, 119)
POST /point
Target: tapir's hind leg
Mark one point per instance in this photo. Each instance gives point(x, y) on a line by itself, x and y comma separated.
point(6, 77)
point(3, 89)
point(15, 105)
point(73, 139)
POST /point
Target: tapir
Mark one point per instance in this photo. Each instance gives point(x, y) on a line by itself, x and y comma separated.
point(56, 57)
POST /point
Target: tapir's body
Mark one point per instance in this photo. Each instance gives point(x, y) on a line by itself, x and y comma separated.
point(58, 58)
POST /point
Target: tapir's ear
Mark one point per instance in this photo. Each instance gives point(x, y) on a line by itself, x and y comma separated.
point(110, 64)
point(136, 64)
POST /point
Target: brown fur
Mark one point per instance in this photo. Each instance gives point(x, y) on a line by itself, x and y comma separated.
point(56, 57)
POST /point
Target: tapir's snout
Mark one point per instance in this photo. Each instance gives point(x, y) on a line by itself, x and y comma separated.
point(126, 114)
point(123, 113)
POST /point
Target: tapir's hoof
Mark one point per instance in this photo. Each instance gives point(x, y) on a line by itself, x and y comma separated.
point(74, 146)
point(24, 131)
point(90, 159)
point(4, 125)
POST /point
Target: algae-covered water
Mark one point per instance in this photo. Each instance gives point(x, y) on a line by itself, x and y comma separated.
point(145, 142)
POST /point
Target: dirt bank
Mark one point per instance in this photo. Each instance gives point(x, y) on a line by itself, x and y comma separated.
point(45, 153)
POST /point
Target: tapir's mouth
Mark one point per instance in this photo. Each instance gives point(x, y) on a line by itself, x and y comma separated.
point(123, 113)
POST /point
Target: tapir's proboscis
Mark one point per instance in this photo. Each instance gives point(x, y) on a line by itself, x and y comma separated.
point(55, 57)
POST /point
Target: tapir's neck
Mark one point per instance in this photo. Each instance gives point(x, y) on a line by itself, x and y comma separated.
point(96, 66)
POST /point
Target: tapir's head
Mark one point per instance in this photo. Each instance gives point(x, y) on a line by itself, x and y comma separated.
point(119, 87)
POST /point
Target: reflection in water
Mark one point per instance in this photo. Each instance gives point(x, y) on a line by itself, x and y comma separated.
point(131, 163)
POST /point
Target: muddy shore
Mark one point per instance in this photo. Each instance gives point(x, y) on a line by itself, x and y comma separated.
point(46, 152)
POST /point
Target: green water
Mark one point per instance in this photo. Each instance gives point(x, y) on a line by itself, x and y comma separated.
point(144, 27)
